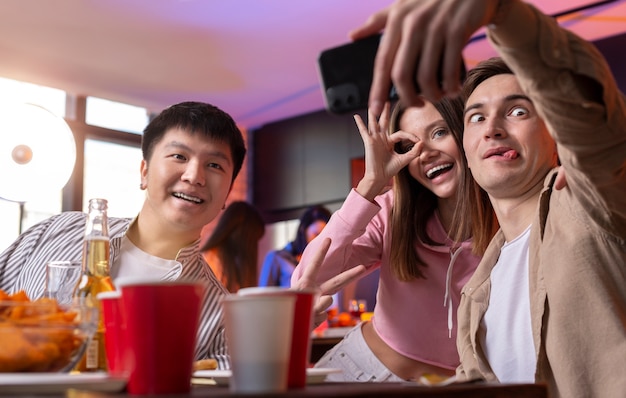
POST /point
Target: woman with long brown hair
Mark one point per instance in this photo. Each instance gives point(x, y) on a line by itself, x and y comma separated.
point(414, 234)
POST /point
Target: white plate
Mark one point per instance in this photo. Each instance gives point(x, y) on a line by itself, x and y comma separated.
point(221, 377)
point(58, 383)
point(318, 375)
point(338, 332)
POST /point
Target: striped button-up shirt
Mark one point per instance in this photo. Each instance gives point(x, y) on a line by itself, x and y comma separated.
point(60, 237)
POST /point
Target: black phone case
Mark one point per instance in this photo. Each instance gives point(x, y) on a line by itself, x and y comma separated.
point(346, 74)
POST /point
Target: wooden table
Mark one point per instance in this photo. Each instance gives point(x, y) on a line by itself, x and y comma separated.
point(384, 390)
point(366, 390)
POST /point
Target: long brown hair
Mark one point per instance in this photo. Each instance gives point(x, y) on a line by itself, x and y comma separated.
point(236, 241)
point(414, 204)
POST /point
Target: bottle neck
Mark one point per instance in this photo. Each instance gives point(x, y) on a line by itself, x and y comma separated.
point(96, 241)
point(96, 256)
point(97, 225)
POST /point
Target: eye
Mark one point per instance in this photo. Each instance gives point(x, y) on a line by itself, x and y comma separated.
point(440, 133)
point(475, 118)
point(519, 111)
point(215, 166)
point(178, 156)
point(404, 146)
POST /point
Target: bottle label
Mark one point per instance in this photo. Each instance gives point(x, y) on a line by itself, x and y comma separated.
point(91, 360)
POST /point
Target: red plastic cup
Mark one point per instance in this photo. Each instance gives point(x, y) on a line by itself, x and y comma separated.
point(301, 338)
point(302, 328)
point(161, 326)
point(114, 332)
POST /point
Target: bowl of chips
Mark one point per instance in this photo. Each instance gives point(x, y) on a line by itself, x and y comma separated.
point(41, 335)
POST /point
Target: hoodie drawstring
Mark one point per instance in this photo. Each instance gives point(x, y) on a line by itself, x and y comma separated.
point(447, 299)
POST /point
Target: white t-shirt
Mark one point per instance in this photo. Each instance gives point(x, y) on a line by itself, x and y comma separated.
point(134, 262)
point(508, 337)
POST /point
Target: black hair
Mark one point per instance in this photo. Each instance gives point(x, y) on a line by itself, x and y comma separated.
point(196, 118)
point(310, 216)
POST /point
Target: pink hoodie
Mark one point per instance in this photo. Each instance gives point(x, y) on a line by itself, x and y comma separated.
point(417, 318)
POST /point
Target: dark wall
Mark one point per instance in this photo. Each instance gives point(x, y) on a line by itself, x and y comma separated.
point(614, 50)
point(303, 161)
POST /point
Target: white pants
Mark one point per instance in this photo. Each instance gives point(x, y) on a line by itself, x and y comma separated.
point(358, 363)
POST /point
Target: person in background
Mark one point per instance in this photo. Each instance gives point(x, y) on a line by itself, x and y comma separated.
point(192, 152)
point(279, 264)
point(232, 248)
point(409, 234)
point(547, 303)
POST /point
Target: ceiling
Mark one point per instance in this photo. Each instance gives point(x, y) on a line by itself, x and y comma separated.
point(256, 59)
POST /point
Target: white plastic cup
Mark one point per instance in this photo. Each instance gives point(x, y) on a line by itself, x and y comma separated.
point(301, 332)
point(258, 332)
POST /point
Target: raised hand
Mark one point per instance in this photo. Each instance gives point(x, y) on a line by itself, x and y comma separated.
point(329, 287)
point(382, 162)
point(418, 34)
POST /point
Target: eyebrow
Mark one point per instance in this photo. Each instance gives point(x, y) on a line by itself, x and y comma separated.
point(508, 98)
point(216, 153)
point(437, 123)
point(434, 124)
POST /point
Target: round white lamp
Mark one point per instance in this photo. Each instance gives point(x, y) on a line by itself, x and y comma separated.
point(37, 152)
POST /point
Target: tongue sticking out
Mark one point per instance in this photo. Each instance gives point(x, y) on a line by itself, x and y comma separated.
point(510, 154)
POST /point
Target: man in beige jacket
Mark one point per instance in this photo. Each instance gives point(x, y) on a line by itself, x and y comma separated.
point(548, 301)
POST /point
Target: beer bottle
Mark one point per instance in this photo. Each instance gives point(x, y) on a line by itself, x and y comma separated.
point(95, 278)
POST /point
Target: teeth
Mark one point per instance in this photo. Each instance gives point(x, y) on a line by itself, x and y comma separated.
point(187, 197)
point(430, 173)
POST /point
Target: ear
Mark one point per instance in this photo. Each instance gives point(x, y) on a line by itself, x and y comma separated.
point(143, 172)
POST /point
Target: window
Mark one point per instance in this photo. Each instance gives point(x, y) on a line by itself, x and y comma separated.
point(13, 91)
point(112, 173)
point(116, 115)
point(9, 214)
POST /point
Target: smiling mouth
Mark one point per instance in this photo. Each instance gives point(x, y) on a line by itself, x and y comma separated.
point(438, 170)
point(188, 198)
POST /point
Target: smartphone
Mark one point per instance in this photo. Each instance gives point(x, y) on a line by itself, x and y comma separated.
point(346, 75)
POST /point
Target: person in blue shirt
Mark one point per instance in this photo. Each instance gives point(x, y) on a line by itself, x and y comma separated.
point(279, 264)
